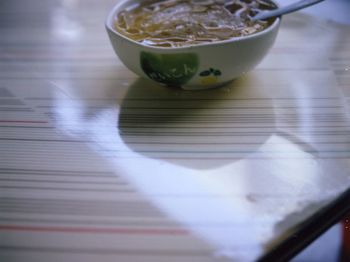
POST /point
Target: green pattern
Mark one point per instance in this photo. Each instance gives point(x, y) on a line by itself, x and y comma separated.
point(170, 69)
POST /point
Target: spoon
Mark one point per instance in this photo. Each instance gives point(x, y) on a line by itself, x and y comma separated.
point(286, 9)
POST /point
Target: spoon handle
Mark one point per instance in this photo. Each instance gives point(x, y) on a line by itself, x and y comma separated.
point(286, 9)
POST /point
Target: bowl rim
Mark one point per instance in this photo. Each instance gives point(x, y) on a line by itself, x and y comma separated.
point(111, 16)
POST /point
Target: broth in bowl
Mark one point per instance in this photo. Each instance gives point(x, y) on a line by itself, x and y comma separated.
point(178, 23)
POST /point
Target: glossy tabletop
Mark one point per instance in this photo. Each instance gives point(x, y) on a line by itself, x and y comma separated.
point(98, 164)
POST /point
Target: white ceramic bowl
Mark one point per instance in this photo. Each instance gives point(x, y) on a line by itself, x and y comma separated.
point(199, 66)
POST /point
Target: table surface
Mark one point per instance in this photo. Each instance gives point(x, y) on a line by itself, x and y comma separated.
point(100, 165)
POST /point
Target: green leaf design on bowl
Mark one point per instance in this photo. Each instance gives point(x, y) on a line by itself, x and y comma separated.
point(205, 73)
point(211, 71)
point(217, 73)
point(170, 69)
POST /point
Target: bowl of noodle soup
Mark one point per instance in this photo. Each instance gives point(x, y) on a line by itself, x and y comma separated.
point(192, 44)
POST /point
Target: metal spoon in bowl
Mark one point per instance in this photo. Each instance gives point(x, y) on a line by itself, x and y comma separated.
point(286, 9)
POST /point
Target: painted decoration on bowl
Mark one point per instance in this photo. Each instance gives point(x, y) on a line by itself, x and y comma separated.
point(210, 76)
point(170, 69)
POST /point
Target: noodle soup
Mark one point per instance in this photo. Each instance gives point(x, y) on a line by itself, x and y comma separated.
point(192, 44)
point(178, 23)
